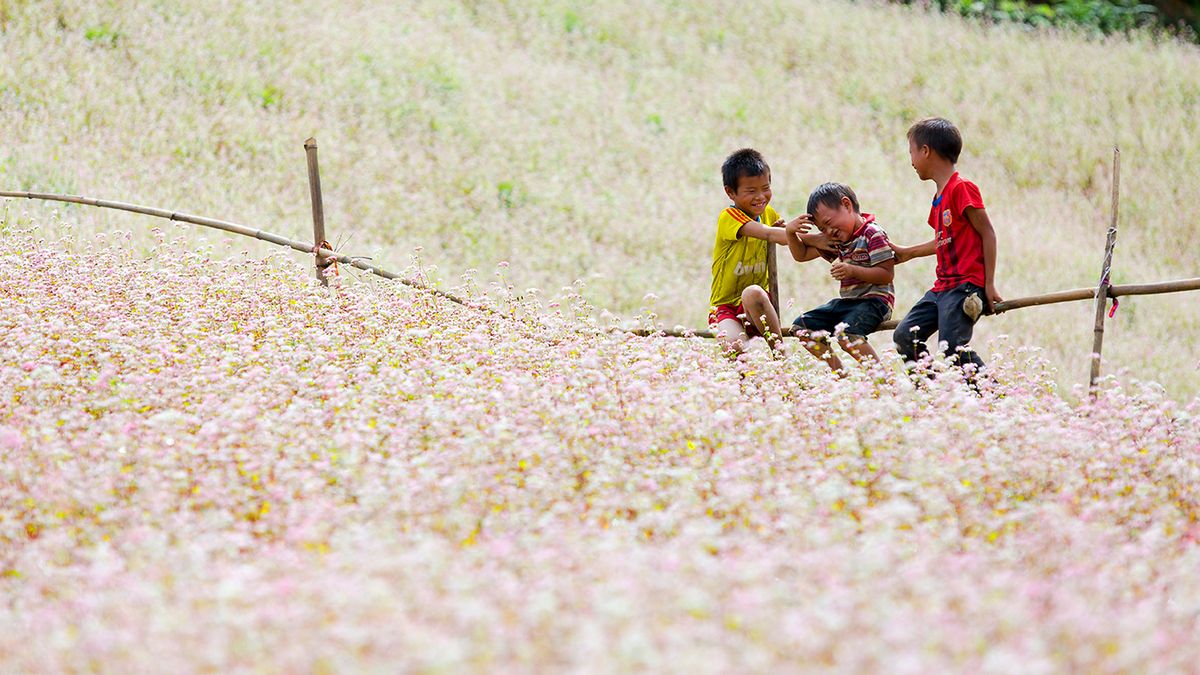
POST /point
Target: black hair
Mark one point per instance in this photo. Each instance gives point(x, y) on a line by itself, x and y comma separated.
point(831, 194)
point(743, 163)
point(940, 135)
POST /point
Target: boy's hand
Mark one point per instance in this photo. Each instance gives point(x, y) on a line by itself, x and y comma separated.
point(993, 297)
point(840, 270)
point(799, 224)
point(902, 253)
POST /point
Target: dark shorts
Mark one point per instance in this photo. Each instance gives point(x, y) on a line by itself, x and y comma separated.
point(940, 311)
point(861, 316)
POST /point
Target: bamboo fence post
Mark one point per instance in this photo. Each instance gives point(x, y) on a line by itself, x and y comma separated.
point(1102, 290)
point(318, 210)
point(773, 277)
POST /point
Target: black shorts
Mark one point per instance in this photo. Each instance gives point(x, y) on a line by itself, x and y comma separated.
point(861, 316)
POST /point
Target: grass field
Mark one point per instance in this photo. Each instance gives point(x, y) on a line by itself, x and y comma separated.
point(210, 463)
point(582, 141)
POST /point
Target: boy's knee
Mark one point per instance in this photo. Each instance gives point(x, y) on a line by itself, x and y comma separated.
point(754, 294)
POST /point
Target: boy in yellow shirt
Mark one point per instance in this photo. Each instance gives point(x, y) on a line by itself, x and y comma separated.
point(739, 268)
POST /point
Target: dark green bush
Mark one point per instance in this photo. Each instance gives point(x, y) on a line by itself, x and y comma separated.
point(1102, 16)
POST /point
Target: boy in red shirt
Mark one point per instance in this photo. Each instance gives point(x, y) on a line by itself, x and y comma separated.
point(965, 245)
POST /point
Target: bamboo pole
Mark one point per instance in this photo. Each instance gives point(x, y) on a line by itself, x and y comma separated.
point(1155, 287)
point(773, 278)
point(318, 209)
point(1105, 271)
point(1151, 288)
point(246, 231)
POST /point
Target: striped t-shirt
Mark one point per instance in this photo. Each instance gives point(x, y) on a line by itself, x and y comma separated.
point(867, 248)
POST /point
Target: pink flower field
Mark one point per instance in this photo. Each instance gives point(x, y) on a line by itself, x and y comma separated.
point(211, 463)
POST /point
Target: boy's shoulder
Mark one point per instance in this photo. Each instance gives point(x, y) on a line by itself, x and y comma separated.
point(964, 192)
point(958, 177)
point(874, 228)
point(962, 183)
point(872, 231)
point(733, 213)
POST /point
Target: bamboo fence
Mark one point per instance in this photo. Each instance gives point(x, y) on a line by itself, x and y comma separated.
point(326, 256)
point(1077, 294)
point(323, 252)
point(1105, 271)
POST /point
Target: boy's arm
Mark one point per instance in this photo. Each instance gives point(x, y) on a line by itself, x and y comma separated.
point(818, 241)
point(756, 230)
point(906, 253)
point(983, 225)
point(801, 250)
point(881, 273)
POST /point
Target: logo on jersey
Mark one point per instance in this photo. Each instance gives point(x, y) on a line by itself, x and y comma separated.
point(743, 269)
point(946, 218)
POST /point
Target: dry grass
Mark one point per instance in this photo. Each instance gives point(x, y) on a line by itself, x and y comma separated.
point(582, 140)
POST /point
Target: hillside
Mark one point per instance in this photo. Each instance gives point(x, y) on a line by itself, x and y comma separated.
point(214, 464)
point(581, 141)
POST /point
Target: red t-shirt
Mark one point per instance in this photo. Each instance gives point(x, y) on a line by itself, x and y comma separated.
point(959, 246)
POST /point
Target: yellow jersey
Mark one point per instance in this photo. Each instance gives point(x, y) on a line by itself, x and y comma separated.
point(738, 262)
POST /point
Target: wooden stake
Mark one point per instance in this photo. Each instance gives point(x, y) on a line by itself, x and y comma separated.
point(318, 210)
point(773, 278)
point(1102, 291)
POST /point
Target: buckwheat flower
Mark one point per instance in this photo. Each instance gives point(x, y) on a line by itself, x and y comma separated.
point(10, 438)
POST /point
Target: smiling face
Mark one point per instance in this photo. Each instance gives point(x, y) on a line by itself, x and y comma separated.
point(838, 223)
point(752, 195)
point(920, 157)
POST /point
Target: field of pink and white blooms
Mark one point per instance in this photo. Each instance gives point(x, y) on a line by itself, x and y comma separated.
point(208, 462)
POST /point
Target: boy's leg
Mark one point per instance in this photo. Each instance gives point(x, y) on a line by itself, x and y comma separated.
point(862, 351)
point(858, 347)
point(955, 327)
point(761, 313)
point(731, 336)
point(916, 327)
point(823, 319)
point(819, 347)
point(862, 317)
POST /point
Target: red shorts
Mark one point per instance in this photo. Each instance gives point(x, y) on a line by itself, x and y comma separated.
point(721, 312)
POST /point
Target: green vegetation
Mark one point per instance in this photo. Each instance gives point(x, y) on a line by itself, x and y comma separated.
point(1102, 16)
point(102, 35)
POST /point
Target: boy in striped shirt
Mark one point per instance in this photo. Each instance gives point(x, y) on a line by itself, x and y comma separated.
point(862, 261)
